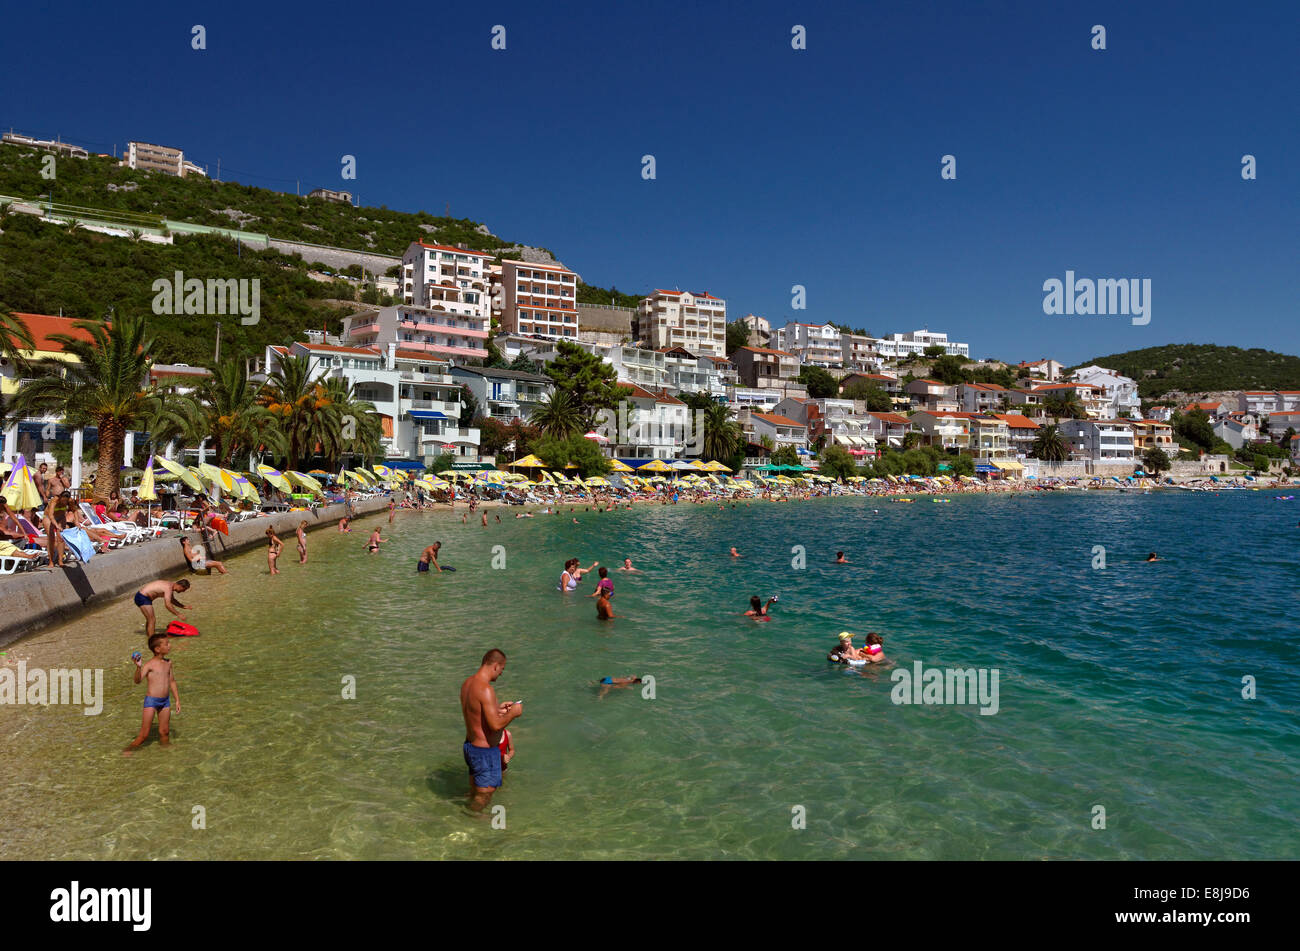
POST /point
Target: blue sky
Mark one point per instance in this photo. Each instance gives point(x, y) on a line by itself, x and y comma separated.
point(775, 167)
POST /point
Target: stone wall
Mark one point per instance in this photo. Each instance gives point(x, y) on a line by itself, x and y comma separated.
point(335, 258)
point(35, 600)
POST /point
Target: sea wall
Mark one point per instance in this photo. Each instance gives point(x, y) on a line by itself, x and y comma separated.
point(36, 599)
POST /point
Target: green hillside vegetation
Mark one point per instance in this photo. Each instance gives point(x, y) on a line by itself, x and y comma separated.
point(85, 182)
point(589, 294)
point(45, 269)
point(1202, 368)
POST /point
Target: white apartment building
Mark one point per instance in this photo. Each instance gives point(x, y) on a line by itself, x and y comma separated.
point(782, 430)
point(155, 158)
point(816, 344)
point(415, 397)
point(858, 352)
point(536, 299)
point(439, 331)
point(505, 395)
point(696, 321)
point(1121, 391)
point(982, 397)
point(914, 343)
point(674, 369)
point(660, 427)
point(1047, 370)
point(449, 280)
point(1099, 440)
point(946, 430)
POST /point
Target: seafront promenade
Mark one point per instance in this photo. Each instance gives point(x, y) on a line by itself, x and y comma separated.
point(37, 599)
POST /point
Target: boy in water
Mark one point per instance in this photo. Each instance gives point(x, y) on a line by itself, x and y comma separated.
point(162, 681)
point(375, 540)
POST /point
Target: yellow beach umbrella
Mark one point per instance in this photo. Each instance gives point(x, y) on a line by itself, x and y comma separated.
point(528, 462)
point(20, 489)
point(146, 490)
point(181, 472)
point(305, 481)
point(714, 466)
point(246, 490)
point(384, 471)
point(655, 465)
point(616, 466)
point(275, 478)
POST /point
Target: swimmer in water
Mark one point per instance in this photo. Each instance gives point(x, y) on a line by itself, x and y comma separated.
point(844, 650)
point(375, 540)
point(1153, 557)
point(604, 611)
point(757, 609)
point(734, 553)
point(627, 566)
point(609, 683)
point(840, 559)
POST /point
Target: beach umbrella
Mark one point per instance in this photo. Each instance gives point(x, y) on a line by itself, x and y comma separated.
point(654, 465)
point(382, 471)
point(20, 489)
point(305, 481)
point(275, 478)
point(529, 462)
point(598, 481)
point(317, 472)
point(181, 472)
point(246, 490)
point(714, 466)
point(146, 490)
point(595, 436)
point(616, 466)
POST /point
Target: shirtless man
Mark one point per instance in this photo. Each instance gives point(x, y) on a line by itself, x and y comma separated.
point(429, 557)
point(485, 719)
point(144, 599)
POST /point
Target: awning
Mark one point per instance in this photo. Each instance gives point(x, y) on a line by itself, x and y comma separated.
point(1008, 465)
point(983, 468)
point(426, 414)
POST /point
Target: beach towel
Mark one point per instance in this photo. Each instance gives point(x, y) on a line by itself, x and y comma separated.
point(79, 541)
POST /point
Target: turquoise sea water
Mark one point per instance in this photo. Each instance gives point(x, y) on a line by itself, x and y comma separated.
point(1118, 687)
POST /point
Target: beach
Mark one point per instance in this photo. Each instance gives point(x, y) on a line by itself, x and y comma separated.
point(1115, 691)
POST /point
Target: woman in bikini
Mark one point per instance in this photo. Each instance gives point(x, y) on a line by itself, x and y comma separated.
point(273, 548)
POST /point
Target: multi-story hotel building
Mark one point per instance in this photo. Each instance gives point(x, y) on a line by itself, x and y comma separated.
point(816, 344)
point(155, 158)
point(536, 299)
point(445, 279)
point(438, 331)
point(696, 321)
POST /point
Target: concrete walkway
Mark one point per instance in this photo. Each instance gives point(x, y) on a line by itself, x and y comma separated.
point(34, 600)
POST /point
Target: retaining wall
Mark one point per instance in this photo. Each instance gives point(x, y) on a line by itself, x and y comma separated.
point(36, 599)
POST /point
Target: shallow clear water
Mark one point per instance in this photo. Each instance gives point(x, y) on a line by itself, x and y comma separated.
point(1118, 687)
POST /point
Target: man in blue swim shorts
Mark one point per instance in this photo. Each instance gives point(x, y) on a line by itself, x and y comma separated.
point(485, 719)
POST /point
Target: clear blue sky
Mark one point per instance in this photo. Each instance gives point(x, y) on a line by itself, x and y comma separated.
point(775, 167)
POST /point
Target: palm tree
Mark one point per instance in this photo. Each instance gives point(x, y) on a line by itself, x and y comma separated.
point(350, 424)
point(15, 338)
point(723, 435)
point(107, 386)
point(231, 416)
point(1049, 446)
point(1065, 407)
point(558, 416)
point(296, 400)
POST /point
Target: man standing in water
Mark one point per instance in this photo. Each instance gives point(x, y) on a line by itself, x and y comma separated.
point(485, 719)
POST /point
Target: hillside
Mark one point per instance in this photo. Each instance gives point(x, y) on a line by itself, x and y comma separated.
point(1201, 368)
point(102, 183)
point(48, 269)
